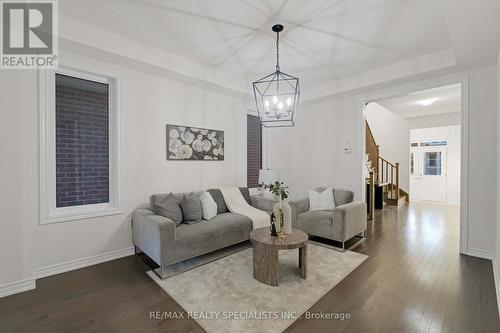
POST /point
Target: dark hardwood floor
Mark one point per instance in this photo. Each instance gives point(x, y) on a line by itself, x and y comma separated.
point(414, 280)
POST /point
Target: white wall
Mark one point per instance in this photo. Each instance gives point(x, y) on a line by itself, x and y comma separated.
point(147, 104)
point(496, 262)
point(311, 153)
point(392, 134)
point(482, 160)
point(452, 135)
point(18, 179)
point(439, 120)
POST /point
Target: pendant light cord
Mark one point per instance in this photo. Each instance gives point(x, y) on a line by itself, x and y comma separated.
point(277, 51)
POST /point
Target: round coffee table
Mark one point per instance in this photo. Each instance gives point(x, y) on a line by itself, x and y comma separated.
point(265, 253)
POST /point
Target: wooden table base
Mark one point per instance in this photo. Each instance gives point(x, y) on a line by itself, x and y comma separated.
point(303, 261)
point(265, 255)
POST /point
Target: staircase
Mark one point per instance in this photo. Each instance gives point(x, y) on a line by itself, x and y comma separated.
point(382, 173)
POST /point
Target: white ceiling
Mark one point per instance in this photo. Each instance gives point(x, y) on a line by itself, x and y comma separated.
point(323, 39)
point(447, 100)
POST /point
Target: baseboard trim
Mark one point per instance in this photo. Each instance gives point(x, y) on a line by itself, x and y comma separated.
point(82, 262)
point(497, 282)
point(17, 287)
point(480, 253)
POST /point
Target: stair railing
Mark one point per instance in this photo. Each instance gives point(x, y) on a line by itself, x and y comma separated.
point(389, 174)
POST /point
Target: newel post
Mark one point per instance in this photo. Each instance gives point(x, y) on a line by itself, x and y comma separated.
point(371, 194)
point(397, 180)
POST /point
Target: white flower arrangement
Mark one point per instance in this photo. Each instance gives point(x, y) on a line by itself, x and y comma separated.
point(187, 137)
point(206, 145)
point(197, 145)
point(185, 152)
point(174, 145)
point(174, 134)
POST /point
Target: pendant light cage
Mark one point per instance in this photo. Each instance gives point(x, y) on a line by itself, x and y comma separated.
point(277, 95)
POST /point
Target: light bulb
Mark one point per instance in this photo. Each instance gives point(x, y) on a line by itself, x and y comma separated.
point(288, 101)
point(266, 103)
point(280, 105)
point(275, 99)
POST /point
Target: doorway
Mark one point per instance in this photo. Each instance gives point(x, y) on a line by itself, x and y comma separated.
point(428, 171)
point(435, 160)
point(433, 157)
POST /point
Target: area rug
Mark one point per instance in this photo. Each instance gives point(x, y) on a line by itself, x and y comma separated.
point(223, 296)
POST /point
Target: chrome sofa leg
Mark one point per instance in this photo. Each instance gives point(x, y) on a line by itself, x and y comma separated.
point(160, 272)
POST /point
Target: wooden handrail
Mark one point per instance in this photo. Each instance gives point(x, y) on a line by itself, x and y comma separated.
point(383, 172)
point(390, 176)
point(391, 164)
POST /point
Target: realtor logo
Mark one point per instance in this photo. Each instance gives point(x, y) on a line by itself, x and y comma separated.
point(29, 34)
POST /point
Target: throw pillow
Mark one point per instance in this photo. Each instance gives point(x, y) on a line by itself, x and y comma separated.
point(169, 207)
point(191, 208)
point(219, 200)
point(321, 201)
point(208, 206)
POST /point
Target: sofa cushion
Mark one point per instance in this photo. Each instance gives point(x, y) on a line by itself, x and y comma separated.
point(341, 196)
point(221, 231)
point(168, 206)
point(191, 208)
point(321, 200)
point(316, 222)
point(208, 206)
point(219, 200)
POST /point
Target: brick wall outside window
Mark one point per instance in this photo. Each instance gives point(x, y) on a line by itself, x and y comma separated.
point(254, 150)
point(82, 142)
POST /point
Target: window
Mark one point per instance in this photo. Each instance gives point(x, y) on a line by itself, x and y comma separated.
point(414, 144)
point(433, 143)
point(432, 164)
point(78, 143)
point(254, 150)
point(82, 147)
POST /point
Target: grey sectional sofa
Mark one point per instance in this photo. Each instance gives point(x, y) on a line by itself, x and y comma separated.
point(164, 243)
point(346, 221)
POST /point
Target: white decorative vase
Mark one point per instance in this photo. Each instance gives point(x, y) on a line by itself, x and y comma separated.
point(287, 216)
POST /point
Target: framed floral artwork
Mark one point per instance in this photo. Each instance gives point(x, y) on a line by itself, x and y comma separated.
point(194, 143)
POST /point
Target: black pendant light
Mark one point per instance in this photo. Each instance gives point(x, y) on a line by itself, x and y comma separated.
point(277, 94)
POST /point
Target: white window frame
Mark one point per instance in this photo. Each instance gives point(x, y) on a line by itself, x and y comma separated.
point(49, 213)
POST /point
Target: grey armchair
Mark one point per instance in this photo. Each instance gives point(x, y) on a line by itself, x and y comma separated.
point(347, 220)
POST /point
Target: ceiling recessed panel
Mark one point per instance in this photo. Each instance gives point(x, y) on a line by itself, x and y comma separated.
point(323, 39)
point(440, 100)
